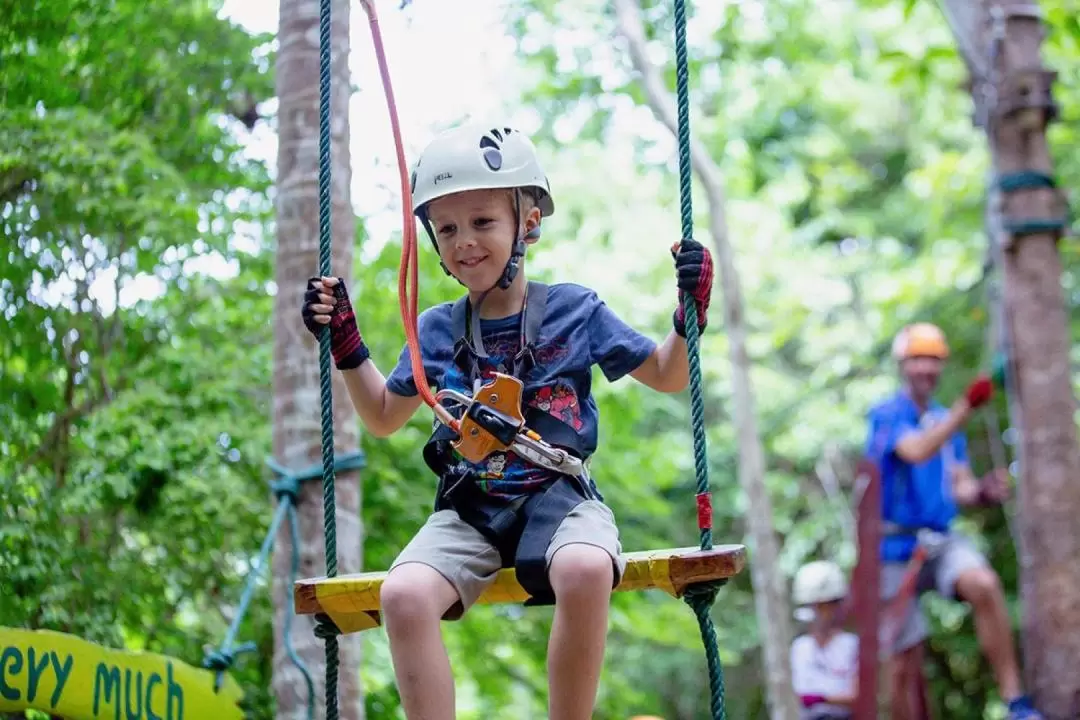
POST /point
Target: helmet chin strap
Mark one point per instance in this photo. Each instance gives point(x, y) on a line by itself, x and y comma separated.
point(517, 252)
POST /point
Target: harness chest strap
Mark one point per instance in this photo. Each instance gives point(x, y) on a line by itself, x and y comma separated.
point(465, 324)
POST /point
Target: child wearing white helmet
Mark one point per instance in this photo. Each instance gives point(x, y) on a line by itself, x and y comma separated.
point(480, 193)
point(825, 660)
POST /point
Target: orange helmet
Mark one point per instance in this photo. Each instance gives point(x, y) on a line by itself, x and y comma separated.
point(920, 340)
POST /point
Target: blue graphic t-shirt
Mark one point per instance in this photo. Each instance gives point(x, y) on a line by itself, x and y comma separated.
point(912, 496)
point(578, 331)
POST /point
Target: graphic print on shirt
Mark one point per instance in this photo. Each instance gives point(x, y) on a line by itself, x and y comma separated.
point(559, 400)
point(494, 466)
point(553, 352)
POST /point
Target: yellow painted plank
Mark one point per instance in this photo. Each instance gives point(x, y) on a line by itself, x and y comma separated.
point(352, 601)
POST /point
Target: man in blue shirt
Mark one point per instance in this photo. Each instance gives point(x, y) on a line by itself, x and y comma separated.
point(921, 452)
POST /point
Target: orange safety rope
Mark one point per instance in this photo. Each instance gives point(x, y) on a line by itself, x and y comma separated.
point(407, 296)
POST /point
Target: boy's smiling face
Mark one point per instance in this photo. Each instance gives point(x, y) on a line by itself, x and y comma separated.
point(475, 232)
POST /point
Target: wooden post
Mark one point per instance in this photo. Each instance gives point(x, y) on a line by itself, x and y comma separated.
point(1014, 105)
point(867, 606)
point(1000, 41)
point(866, 587)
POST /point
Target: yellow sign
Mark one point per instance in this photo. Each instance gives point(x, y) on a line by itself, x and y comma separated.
point(67, 676)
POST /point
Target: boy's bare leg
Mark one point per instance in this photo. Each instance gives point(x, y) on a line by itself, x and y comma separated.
point(581, 576)
point(414, 598)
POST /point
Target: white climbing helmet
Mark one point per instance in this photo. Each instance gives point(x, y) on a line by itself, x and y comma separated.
point(479, 156)
point(818, 582)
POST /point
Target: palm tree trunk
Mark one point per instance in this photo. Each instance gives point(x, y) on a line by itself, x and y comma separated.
point(296, 426)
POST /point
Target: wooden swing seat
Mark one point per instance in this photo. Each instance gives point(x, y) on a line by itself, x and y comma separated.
point(352, 601)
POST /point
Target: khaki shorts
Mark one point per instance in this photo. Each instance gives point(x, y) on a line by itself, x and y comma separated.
point(939, 573)
point(470, 562)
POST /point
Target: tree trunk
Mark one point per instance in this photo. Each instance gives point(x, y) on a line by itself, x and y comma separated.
point(770, 596)
point(297, 430)
point(1002, 47)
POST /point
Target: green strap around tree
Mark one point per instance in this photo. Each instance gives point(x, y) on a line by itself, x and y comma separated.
point(702, 596)
point(286, 489)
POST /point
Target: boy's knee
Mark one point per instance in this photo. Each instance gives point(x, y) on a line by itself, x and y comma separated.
point(414, 592)
point(581, 569)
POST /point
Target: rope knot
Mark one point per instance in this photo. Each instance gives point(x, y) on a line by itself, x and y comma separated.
point(701, 596)
point(223, 659)
point(219, 660)
point(286, 487)
point(325, 628)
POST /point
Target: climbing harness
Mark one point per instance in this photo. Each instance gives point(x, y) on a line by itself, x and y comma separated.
point(492, 417)
point(492, 420)
point(928, 545)
point(521, 528)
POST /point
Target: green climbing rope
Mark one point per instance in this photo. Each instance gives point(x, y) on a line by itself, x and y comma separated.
point(699, 597)
point(324, 627)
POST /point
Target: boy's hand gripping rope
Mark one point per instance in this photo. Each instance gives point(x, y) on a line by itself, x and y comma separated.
point(325, 627)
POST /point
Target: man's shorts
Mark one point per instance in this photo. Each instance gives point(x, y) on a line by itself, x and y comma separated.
point(470, 562)
point(955, 557)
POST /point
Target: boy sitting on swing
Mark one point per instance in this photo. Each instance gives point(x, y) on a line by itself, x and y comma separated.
point(480, 193)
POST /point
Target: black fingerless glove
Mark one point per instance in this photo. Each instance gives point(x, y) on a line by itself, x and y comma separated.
point(694, 273)
point(346, 344)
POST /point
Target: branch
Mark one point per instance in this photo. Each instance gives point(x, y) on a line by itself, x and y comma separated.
point(830, 482)
point(62, 422)
point(63, 431)
point(518, 676)
point(628, 18)
point(963, 20)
